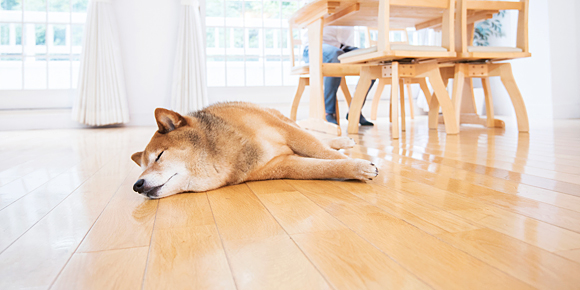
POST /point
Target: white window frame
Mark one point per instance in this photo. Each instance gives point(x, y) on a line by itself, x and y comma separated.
point(19, 99)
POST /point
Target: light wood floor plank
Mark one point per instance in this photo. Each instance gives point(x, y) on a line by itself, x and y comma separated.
point(42, 200)
point(408, 208)
point(546, 236)
point(187, 258)
point(296, 213)
point(46, 248)
point(349, 262)
point(491, 182)
point(260, 253)
point(532, 265)
point(564, 218)
point(486, 209)
point(126, 222)
point(573, 255)
point(116, 269)
point(186, 250)
point(429, 258)
point(333, 242)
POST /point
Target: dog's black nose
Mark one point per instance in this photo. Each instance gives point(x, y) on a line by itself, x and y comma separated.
point(139, 185)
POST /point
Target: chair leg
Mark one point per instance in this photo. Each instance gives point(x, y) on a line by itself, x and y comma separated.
point(410, 96)
point(337, 112)
point(507, 78)
point(394, 103)
point(357, 101)
point(425, 89)
point(302, 83)
point(441, 98)
point(377, 99)
point(390, 111)
point(402, 98)
point(434, 107)
point(488, 103)
point(345, 91)
point(458, 82)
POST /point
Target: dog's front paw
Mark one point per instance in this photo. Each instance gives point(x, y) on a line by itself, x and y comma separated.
point(366, 170)
point(341, 143)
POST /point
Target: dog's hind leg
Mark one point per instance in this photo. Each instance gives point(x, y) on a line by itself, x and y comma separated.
point(298, 167)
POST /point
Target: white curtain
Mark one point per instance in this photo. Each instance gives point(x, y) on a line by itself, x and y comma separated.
point(189, 90)
point(101, 98)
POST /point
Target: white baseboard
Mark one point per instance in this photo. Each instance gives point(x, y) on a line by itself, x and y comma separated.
point(37, 119)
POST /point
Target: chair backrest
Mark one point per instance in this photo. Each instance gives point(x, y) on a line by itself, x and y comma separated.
point(463, 37)
point(447, 27)
point(293, 42)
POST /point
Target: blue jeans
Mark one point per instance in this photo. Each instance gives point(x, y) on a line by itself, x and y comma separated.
point(330, 54)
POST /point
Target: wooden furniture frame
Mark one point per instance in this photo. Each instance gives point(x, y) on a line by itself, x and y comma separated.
point(389, 9)
point(464, 30)
point(482, 64)
point(403, 83)
point(327, 70)
point(393, 72)
point(320, 13)
point(396, 70)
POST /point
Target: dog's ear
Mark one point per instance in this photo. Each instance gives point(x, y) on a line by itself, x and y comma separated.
point(168, 120)
point(137, 157)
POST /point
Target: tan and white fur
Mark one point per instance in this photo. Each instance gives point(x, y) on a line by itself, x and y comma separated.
point(230, 143)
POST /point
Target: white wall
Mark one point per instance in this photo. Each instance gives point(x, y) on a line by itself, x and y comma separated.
point(564, 31)
point(533, 75)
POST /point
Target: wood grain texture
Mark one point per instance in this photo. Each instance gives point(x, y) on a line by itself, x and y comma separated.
point(426, 256)
point(260, 252)
point(486, 209)
point(349, 262)
point(517, 258)
point(183, 258)
point(116, 269)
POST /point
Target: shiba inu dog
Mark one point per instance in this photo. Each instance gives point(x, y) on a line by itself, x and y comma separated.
point(231, 143)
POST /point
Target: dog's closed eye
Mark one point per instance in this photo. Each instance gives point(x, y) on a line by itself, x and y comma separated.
point(159, 156)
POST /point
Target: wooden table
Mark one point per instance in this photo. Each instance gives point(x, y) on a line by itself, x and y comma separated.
point(320, 13)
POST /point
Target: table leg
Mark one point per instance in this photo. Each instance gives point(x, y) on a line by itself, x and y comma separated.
point(317, 119)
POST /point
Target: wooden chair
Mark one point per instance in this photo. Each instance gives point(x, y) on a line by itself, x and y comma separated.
point(328, 70)
point(483, 62)
point(402, 83)
point(417, 61)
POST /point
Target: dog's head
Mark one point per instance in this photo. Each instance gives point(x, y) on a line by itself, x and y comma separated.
point(172, 161)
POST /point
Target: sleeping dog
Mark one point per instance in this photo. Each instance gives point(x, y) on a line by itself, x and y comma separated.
point(230, 143)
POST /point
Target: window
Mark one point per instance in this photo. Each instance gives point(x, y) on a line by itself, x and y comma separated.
point(247, 42)
point(40, 43)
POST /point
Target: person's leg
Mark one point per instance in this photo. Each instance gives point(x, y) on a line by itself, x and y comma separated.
point(330, 54)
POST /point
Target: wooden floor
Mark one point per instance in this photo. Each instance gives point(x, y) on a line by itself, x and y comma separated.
point(487, 209)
